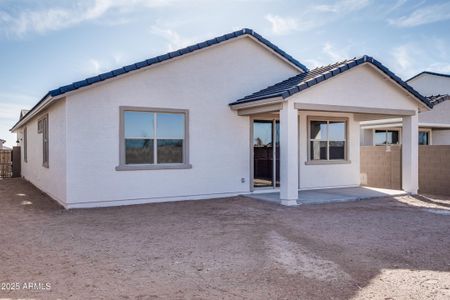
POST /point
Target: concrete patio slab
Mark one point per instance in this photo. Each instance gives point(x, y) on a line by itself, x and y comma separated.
point(331, 195)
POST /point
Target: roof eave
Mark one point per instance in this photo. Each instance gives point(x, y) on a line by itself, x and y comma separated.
point(43, 103)
point(257, 102)
point(364, 60)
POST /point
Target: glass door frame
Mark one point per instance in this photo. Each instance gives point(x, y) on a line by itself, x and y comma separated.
point(274, 122)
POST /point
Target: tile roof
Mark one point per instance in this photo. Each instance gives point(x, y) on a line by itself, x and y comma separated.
point(436, 99)
point(173, 54)
point(429, 73)
point(305, 80)
point(158, 59)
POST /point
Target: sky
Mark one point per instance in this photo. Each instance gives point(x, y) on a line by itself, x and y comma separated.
point(49, 43)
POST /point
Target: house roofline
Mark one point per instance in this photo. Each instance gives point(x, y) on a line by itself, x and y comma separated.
point(429, 73)
point(63, 90)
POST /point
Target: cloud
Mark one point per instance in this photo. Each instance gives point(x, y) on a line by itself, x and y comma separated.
point(409, 59)
point(402, 57)
point(336, 55)
point(314, 16)
point(96, 66)
point(344, 6)
point(424, 15)
point(282, 25)
point(56, 18)
point(9, 114)
point(174, 39)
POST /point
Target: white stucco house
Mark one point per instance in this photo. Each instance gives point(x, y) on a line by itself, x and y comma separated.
point(228, 116)
point(434, 125)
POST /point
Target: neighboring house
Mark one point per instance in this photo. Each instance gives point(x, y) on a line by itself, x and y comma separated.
point(1, 143)
point(23, 112)
point(189, 125)
point(434, 125)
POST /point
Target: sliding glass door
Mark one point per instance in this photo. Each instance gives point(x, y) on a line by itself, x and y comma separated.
point(266, 153)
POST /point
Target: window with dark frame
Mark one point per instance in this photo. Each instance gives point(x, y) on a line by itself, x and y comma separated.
point(154, 137)
point(43, 129)
point(328, 139)
point(386, 137)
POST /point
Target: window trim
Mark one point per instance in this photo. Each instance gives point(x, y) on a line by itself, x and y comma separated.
point(45, 146)
point(386, 131)
point(166, 166)
point(328, 161)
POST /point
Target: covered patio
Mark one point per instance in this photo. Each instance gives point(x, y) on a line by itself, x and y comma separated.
point(319, 115)
point(332, 195)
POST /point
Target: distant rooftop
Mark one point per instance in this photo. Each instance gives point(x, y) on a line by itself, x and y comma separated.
point(436, 99)
point(429, 73)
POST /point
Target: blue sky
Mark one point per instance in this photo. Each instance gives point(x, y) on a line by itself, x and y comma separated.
point(45, 44)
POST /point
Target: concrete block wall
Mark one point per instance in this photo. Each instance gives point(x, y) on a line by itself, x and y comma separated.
point(381, 166)
point(434, 169)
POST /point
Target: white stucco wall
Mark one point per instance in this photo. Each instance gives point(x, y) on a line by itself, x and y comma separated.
point(440, 114)
point(51, 180)
point(366, 137)
point(441, 137)
point(361, 86)
point(428, 84)
point(204, 83)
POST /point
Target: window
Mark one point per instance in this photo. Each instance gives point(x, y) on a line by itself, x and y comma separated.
point(424, 137)
point(43, 129)
point(39, 127)
point(327, 138)
point(25, 145)
point(386, 137)
point(153, 138)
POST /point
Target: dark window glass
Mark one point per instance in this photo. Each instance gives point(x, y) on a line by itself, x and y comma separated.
point(336, 131)
point(337, 150)
point(138, 151)
point(170, 151)
point(380, 137)
point(262, 132)
point(392, 137)
point(327, 140)
point(424, 138)
point(386, 137)
point(170, 126)
point(318, 150)
point(318, 130)
point(139, 124)
point(143, 139)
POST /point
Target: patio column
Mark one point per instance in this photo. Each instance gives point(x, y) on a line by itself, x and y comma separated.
point(410, 154)
point(288, 154)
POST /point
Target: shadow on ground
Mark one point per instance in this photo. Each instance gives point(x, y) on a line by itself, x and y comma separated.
point(230, 248)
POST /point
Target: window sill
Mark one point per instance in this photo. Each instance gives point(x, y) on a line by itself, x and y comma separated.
point(328, 162)
point(153, 167)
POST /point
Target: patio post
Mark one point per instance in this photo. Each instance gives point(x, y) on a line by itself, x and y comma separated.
point(410, 154)
point(288, 154)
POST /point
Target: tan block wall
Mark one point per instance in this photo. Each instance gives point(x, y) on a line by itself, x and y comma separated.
point(381, 166)
point(434, 169)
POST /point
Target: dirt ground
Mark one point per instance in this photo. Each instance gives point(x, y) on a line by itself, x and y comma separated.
point(234, 248)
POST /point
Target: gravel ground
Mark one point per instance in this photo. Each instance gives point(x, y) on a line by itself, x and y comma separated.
point(234, 248)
